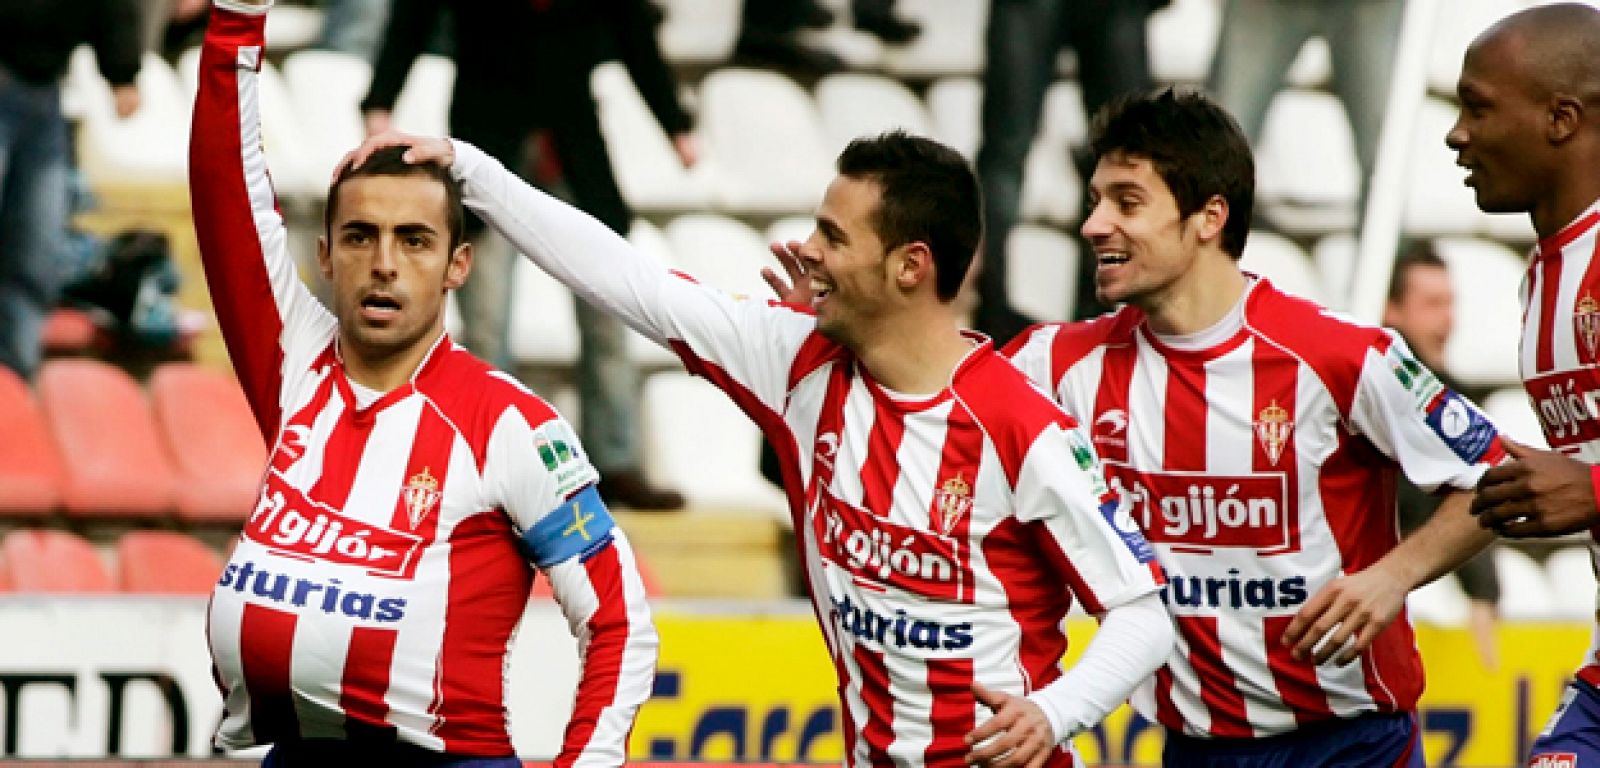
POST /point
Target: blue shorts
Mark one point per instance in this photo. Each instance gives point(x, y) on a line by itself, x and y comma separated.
point(1369, 741)
point(324, 752)
point(1572, 736)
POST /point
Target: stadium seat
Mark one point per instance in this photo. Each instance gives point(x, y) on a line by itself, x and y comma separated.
point(722, 252)
point(1524, 591)
point(423, 106)
point(1488, 328)
point(117, 466)
point(699, 31)
point(1182, 40)
point(1334, 258)
point(165, 562)
point(1513, 415)
point(52, 561)
point(791, 228)
point(1051, 189)
point(767, 140)
point(30, 468)
point(648, 170)
point(697, 439)
point(544, 330)
point(292, 27)
point(1570, 571)
point(1306, 163)
point(1063, 119)
point(1278, 259)
point(217, 448)
point(281, 133)
point(1440, 603)
point(1458, 23)
point(854, 105)
point(149, 147)
point(955, 104)
point(1042, 271)
point(326, 88)
point(1437, 203)
point(951, 42)
point(68, 331)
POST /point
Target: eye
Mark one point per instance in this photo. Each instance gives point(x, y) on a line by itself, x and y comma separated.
point(416, 241)
point(1128, 204)
point(353, 237)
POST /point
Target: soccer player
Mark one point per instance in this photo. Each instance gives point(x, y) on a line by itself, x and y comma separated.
point(1530, 144)
point(1258, 436)
point(948, 512)
point(366, 612)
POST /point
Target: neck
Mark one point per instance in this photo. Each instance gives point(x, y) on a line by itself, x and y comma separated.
point(915, 353)
point(1571, 195)
point(1199, 299)
point(383, 370)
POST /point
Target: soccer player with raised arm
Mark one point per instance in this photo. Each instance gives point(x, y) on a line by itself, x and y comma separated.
point(948, 512)
point(413, 492)
point(1530, 144)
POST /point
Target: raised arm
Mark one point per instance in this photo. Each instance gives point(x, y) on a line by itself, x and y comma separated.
point(267, 315)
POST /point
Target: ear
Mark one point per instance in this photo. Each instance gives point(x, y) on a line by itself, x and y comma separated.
point(913, 265)
point(1564, 118)
point(324, 258)
point(1211, 218)
point(455, 274)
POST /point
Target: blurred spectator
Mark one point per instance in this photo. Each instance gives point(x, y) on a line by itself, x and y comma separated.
point(1261, 38)
point(520, 67)
point(168, 26)
point(1421, 308)
point(768, 32)
point(1024, 39)
point(353, 26)
point(36, 41)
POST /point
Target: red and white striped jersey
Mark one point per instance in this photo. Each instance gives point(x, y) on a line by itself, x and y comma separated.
point(944, 536)
point(1261, 467)
point(1558, 356)
point(379, 580)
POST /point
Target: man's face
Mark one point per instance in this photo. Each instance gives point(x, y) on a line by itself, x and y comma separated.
point(1499, 134)
point(1425, 311)
point(847, 263)
point(389, 259)
point(1142, 245)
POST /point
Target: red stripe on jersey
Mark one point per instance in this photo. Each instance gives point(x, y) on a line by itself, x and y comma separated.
point(266, 647)
point(1166, 711)
point(1218, 687)
point(489, 586)
point(1569, 233)
point(1335, 349)
point(1034, 595)
point(1393, 667)
point(416, 508)
point(341, 457)
point(366, 675)
point(1590, 673)
point(879, 730)
point(1549, 284)
point(1296, 680)
point(959, 463)
point(1185, 414)
point(1591, 274)
point(954, 712)
point(230, 244)
point(602, 662)
point(1277, 383)
point(1357, 488)
point(882, 468)
point(292, 442)
point(1116, 376)
point(814, 353)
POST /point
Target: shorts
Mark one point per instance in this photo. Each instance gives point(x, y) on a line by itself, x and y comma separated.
point(1572, 736)
point(324, 752)
point(1391, 740)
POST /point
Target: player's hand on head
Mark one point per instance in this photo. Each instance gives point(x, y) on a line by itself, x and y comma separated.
point(797, 289)
point(1017, 736)
point(423, 149)
point(1538, 493)
point(1340, 622)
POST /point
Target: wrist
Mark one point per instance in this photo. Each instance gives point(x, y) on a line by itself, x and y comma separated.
point(1058, 727)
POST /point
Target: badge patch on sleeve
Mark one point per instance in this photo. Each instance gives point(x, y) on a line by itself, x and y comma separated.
point(1461, 427)
point(577, 528)
point(562, 456)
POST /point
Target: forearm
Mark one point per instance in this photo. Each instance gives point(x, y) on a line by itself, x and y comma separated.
point(1449, 538)
point(406, 33)
point(1133, 641)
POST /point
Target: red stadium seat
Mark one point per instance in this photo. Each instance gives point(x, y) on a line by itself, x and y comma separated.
point(69, 331)
point(30, 467)
point(166, 562)
point(52, 561)
point(115, 465)
point(215, 444)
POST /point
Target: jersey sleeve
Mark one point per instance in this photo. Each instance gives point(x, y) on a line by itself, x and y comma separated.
point(1030, 352)
point(1438, 437)
point(270, 321)
point(540, 475)
point(737, 343)
point(1089, 534)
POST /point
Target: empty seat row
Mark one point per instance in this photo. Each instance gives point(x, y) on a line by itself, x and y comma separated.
point(1562, 588)
point(146, 562)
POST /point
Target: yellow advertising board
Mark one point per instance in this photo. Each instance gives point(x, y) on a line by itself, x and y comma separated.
point(762, 689)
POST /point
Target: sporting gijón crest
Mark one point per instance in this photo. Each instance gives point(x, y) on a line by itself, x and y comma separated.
point(1273, 427)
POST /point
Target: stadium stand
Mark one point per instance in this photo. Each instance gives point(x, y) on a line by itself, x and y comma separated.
point(1277, 258)
point(1300, 189)
point(1043, 275)
point(1484, 275)
point(744, 115)
point(31, 472)
point(118, 467)
point(165, 562)
point(856, 104)
point(1525, 593)
point(649, 173)
point(217, 448)
point(52, 561)
point(721, 251)
point(148, 148)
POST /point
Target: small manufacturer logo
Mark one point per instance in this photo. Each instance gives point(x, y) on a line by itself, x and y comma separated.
point(952, 502)
point(1553, 760)
point(421, 495)
point(1273, 428)
point(1586, 320)
point(827, 448)
point(1110, 426)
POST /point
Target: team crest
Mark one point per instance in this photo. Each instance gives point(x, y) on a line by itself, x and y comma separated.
point(1273, 427)
point(1586, 320)
point(421, 495)
point(951, 502)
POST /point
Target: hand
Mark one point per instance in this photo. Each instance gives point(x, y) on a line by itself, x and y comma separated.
point(185, 10)
point(1359, 605)
point(798, 289)
point(1481, 622)
point(1541, 493)
point(423, 150)
point(377, 121)
point(126, 100)
point(1019, 730)
point(687, 147)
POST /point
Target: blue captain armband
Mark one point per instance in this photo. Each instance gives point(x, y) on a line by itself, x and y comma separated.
point(578, 528)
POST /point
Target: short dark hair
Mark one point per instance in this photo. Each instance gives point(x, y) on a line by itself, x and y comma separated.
point(389, 161)
point(1419, 253)
point(1196, 147)
point(928, 194)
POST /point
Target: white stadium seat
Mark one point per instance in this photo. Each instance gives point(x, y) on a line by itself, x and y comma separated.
point(148, 147)
point(767, 139)
point(1458, 23)
point(696, 439)
point(326, 89)
point(1182, 39)
point(1334, 258)
point(1276, 258)
point(1570, 572)
point(951, 42)
point(543, 328)
point(1524, 591)
point(1051, 190)
point(791, 228)
point(281, 133)
point(956, 106)
point(423, 106)
point(721, 252)
point(1440, 603)
point(1306, 164)
point(648, 170)
point(1042, 271)
point(699, 30)
point(652, 242)
point(1514, 416)
point(1484, 275)
point(1063, 118)
point(853, 105)
point(1437, 202)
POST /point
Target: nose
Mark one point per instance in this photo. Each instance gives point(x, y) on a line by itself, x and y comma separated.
point(1098, 223)
point(1457, 138)
point(385, 259)
point(810, 251)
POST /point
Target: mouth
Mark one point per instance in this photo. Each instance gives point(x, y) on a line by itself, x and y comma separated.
point(820, 290)
point(1111, 259)
point(1471, 178)
point(379, 307)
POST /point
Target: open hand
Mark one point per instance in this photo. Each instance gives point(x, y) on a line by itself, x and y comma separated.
point(797, 289)
point(1540, 493)
point(1356, 606)
point(1017, 735)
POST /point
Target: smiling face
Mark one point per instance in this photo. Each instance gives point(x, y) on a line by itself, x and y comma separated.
point(1500, 132)
point(388, 256)
point(1143, 245)
point(846, 262)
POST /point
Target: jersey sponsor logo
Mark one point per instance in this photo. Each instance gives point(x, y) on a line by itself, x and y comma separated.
point(1273, 427)
point(900, 630)
point(1461, 427)
point(562, 456)
point(292, 445)
point(421, 496)
point(1233, 591)
point(1109, 428)
point(881, 552)
point(1553, 760)
point(827, 448)
point(326, 595)
point(287, 522)
point(1195, 512)
point(1586, 322)
point(1568, 405)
